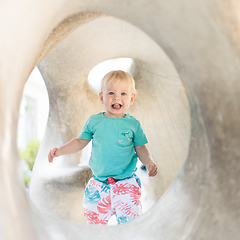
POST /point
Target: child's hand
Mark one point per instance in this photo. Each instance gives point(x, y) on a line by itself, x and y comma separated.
point(152, 169)
point(55, 152)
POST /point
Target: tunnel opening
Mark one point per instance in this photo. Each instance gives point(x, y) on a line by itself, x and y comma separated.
point(98, 72)
point(33, 115)
point(161, 105)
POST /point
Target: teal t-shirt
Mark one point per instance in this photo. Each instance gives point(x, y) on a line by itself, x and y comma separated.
point(113, 141)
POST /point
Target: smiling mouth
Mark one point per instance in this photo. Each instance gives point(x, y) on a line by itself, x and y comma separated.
point(116, 106)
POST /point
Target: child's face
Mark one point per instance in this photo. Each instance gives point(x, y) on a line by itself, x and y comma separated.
point(117, 98)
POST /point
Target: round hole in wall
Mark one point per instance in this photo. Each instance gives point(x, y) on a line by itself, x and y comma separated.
point(98, 72)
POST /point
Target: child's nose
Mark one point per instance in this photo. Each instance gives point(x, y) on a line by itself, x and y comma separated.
point(117, 96)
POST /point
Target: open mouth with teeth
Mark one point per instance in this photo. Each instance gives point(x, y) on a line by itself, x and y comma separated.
point(116, 106)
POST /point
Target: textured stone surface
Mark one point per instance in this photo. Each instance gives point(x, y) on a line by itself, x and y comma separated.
point(200, 38)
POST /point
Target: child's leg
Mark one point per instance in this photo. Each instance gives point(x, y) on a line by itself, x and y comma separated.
point(126, 196)
point(97, 203)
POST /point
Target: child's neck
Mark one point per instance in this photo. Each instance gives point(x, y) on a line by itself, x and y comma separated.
point(109, 115)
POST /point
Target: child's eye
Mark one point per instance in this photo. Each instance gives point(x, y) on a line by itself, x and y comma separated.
point(123, 93)
point(111, 93)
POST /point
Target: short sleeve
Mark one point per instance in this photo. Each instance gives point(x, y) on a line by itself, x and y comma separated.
point(139, 136)
point(86, 132)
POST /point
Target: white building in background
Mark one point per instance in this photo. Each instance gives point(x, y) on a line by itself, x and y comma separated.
point(34, 110)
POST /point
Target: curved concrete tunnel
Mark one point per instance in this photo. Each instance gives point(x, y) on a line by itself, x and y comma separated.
point(202, 202)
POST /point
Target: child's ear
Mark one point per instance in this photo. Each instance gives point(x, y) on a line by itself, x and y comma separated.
point(101, 97)
point(132, 98)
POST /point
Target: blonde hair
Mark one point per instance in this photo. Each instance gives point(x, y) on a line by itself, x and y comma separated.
point(118, 75)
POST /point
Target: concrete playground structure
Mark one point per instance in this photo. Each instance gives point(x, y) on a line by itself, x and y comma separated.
point(187, 71)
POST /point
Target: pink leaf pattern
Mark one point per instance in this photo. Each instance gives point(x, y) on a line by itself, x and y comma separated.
point(104, 206)
point(128, 189)
point(136, 199)
point(92, 217)
point(95, 183)
point(126, 209)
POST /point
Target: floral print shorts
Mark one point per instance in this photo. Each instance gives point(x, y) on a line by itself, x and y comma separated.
point(103, 200)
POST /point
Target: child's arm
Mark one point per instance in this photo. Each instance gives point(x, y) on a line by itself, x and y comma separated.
point(73, 146)
point(146, 158)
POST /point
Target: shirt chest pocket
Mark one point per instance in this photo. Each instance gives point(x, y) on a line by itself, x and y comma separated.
point(125, 137)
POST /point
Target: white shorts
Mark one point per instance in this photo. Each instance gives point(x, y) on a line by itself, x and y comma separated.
point(103, 200)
